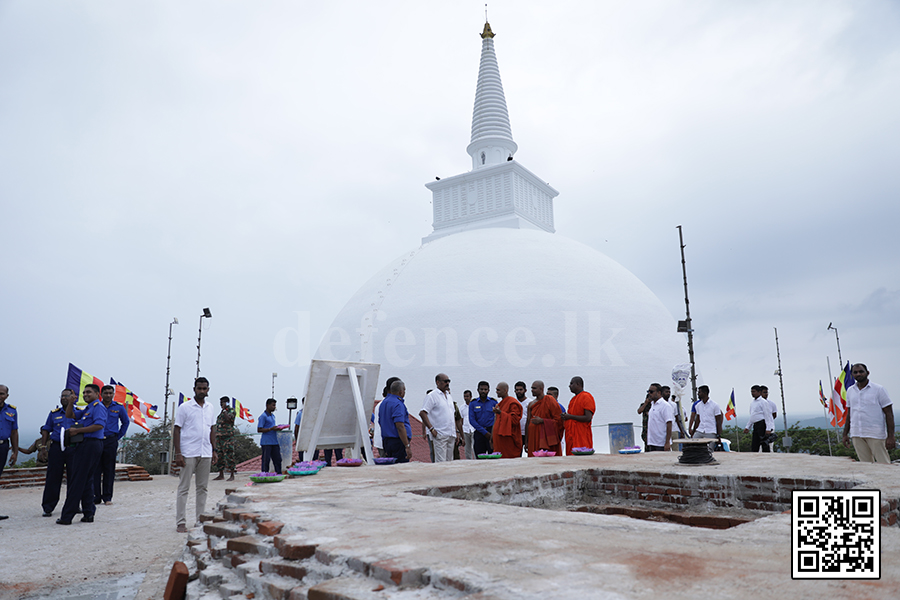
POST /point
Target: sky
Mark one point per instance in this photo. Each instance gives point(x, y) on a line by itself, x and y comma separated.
point(266, 159)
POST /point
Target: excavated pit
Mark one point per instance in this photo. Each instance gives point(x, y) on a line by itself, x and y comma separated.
point(695, 500)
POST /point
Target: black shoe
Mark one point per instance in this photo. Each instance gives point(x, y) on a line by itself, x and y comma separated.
point(3, 517)
point(47, 514)
point(87, 519)
point(97, 501)
point(61, 522)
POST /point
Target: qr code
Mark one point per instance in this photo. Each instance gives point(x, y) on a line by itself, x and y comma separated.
point(836, 534)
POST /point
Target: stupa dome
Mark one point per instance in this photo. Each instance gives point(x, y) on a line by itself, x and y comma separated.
point(493, 294)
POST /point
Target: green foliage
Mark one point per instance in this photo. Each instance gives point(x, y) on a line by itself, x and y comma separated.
point(806, 440)
point(144, 449)
point(28, 464)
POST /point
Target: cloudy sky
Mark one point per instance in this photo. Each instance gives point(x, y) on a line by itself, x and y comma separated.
point(265, 159)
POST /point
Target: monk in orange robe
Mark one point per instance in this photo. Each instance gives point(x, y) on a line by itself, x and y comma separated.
point(545, 426)
point(577, 419)
point(507, 432)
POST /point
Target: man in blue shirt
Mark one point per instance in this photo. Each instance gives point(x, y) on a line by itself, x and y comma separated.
point(481, 417)
point(9, 432)
point(90, 422)
point(57, 458)
point(116, 425)
point(269, 438)
point(394, 420)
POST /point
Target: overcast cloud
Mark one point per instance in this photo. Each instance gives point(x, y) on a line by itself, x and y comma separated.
point(267, 158)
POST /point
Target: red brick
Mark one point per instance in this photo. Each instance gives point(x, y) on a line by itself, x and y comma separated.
point(231, 514)
point(620, 487)
point(892, 518)
point(237, 560)
point(176, 587)
point(219, 530)
point(218, 519)
point(206, 518)
point(285, 569)
point(269, 528)
point(248, 545)
point(651, 497)
point(390, 571)
point(293, 550)
point(324, 557)
point(568, 474)
point(279, 589)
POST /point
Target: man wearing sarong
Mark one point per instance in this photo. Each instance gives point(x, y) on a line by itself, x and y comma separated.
point(545, 427)
point(577, 420)
point(507, 432)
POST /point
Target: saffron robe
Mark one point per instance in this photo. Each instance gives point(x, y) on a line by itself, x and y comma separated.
point(507, 432)
point(547, 435)
point(578, 435)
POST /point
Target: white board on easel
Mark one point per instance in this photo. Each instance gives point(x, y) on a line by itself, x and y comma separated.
point(339, 399)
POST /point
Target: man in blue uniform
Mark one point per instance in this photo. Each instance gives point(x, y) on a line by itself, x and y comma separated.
point(89, 422)
point(394, 421)
point(57, 458)
point(9, 432)
point(269, 438)
point(116, 425)
point(481, 417)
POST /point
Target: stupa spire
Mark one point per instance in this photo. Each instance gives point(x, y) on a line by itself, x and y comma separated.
point(492, 142)
point(498, 191)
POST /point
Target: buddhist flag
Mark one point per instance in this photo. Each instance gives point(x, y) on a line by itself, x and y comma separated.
point(130, 401)
point(822, 395)
point(241, 410)
point(77, 379)
point(838, 405)
point(730, 413)
point(182, 398)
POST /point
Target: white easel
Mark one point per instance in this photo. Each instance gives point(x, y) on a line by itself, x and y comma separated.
point(357, 381)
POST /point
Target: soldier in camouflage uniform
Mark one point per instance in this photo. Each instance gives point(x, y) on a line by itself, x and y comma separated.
point(225, 439)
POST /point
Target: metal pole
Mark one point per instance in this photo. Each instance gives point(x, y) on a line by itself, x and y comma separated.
point(786, 440)
point(827, 433)
point(274, 375)
point(168, 363)
point(690, 328)
point(199, 335)
point(838, 339)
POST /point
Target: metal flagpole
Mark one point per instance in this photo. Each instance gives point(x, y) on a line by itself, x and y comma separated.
point(786, 440)
point(831, 380)
point(686, 327)
point(827, 433)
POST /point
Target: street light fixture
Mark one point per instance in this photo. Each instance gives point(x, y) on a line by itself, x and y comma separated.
point(840, 360)
point(206, 315)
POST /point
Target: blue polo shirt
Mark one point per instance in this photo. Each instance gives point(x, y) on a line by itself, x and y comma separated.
point(56, 420)
point(116, 420)
point(9, 421)
point(481, 414)
point(268, 438)
point(92, 414)
point(393, 410)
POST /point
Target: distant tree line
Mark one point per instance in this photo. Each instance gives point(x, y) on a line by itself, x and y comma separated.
point(804, 440)
point(145, 448)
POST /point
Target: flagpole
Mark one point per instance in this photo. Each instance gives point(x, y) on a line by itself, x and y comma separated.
point(831, 393)
point(686, 328)
point(786, 439)
point(825, 410)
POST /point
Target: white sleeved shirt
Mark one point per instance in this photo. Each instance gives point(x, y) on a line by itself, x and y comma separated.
point(661, 412)
point(707, 411)
point(866, 415)
point(195, 422)
point(439, 406)
point(761, 411)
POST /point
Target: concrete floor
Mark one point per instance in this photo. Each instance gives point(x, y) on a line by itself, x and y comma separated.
point(519, 552)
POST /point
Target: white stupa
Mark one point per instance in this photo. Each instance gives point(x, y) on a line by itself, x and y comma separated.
point(493, 294)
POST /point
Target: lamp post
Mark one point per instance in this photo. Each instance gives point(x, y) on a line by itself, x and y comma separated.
point(168, 362)
point(206, 315)
point(274, 375)
point(840, 360)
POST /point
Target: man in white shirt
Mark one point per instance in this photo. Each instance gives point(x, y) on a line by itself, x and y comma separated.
point(872, 424)
point(708, 423)
point(659, 422)
point(761, 420)
point(764, 392)
point(194, 443)
point(467, 428)
point(439, 418)
point(667, 396)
